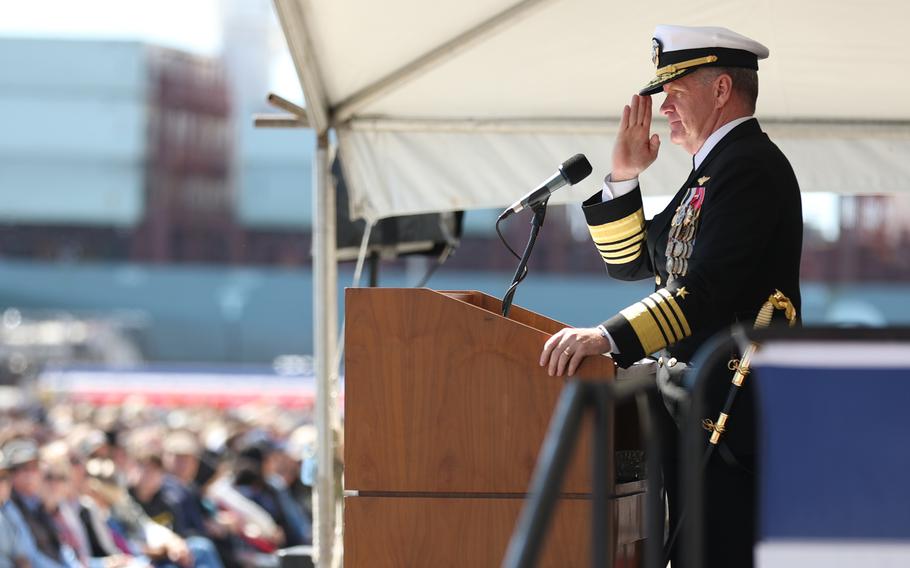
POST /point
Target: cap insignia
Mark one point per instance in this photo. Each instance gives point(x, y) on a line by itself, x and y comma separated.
point(656, 47)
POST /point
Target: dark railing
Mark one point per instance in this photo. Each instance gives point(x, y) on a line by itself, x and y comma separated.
point(601, 398)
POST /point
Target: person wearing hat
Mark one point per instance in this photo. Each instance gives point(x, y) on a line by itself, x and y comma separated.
point(729, 237)
point(25, 510)
point(194, 518)
point(12, 552)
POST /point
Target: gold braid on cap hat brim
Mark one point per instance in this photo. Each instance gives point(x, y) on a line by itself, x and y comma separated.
point(673, 71)
point(674, 67)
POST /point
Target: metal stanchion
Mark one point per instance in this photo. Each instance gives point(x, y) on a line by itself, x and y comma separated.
point(562, 435)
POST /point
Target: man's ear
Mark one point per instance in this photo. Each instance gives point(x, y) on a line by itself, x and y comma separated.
point(723, 89)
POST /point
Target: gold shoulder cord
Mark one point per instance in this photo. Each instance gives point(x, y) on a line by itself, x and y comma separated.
point(776, 301)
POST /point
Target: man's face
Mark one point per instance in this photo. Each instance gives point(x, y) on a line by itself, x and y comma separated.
point(689, 106)
point(151, 477)
point(77, 474)
point(27, 479)
point(55, 489)
point(4, 486)
point(183, 466)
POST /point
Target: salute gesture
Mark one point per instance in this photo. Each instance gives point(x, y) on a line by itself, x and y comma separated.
point(635, 148)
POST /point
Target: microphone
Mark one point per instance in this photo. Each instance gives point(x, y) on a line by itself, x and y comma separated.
point(570, 172)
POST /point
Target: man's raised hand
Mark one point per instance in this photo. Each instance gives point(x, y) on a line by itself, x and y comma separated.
point(635, 148)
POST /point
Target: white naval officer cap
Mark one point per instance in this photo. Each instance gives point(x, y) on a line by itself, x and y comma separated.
point(678, 50)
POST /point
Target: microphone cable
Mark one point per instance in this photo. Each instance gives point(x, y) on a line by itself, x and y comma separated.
point(502, 238)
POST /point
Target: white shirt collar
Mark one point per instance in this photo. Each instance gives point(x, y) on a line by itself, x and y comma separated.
point(715, 137)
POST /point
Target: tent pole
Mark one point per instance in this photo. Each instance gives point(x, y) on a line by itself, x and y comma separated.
point(325, 311)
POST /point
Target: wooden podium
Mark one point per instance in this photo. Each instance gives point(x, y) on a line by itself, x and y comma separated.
point(446, 408)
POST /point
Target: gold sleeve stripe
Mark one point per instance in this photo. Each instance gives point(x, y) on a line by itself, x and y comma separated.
point(623, 259)
point(668, 297)
point(624, 252)
point(662, 321)
point(620, 253)
point(623, 244)
point(667, 339)
point(666, 313)
point(622, 240)
point(645, 327)
point(600, 236)
point(617, 230)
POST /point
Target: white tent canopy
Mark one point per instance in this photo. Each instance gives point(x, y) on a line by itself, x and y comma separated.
point(465, 104)
point(458, 104)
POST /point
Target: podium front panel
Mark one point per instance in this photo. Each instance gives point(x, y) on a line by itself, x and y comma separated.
point(428, 531)
point(442, 395)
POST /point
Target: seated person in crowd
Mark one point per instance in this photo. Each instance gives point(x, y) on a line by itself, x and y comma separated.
point(25, 510)
point(12, 551)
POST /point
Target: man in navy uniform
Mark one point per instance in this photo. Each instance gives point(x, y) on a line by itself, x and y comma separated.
point(728, 239)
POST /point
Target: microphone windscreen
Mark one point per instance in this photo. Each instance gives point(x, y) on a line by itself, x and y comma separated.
point(576, 168)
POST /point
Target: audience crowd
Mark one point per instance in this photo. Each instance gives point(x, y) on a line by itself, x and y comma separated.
point(135, 486)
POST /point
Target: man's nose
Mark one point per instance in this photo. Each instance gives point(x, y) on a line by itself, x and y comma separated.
point(665, 107)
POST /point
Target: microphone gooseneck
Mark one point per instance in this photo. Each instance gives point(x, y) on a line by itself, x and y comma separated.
point(570, 172)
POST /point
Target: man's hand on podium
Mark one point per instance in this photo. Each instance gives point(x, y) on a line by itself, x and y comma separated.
point(565, 350)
